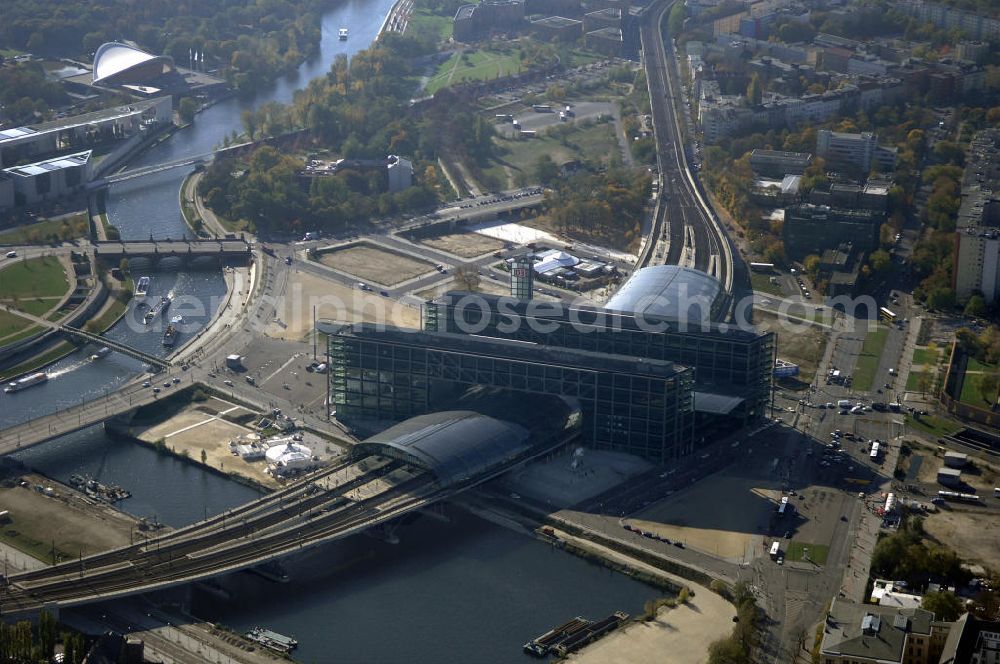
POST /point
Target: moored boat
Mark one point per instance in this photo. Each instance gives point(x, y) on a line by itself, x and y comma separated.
point(170, 335)
point(101, 352)
point(273, 640)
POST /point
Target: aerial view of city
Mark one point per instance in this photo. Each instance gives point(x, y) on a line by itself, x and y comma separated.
point(500, 331)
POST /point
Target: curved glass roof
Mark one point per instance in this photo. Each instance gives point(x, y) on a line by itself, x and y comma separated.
point(454, 445)
point(114, 58)
point(670, 292)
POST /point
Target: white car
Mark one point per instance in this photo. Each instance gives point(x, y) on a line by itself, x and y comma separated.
point(11, 254)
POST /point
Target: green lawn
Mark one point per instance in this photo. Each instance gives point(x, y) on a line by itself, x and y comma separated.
point(913, 381)
point(762, 283)
point(36, 277)
point(586, 142)
point(53, 230)
point(976, 365)
point(932, 425)
point(578, 58)
point(971, 393)
point(422, 20)
point(475, 65)
point(13, 326)
point(803, 551)
point(37, 307)
point(864, 371)
point(925, 356)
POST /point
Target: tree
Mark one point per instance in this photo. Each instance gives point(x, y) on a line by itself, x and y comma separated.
point(546, 171)
point(755, 90)
point(880, 261)
point(976, 307)
point(675, 22)
point(944, 605)
point(467, 278)
point(123, 265)
point(941, 298)
point(187, 109)
point(811, 265)
point(988, 384)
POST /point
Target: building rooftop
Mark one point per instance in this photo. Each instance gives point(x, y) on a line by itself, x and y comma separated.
point(49, 165)
point(670, 292)
point(453, 445)
point(509, 349)
point(614, 34)
point(114, 58)
point(85, 119)
point(869, 632)
point(586, 316)
point(556, 21)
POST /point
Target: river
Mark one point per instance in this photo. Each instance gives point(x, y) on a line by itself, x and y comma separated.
point(465, 591)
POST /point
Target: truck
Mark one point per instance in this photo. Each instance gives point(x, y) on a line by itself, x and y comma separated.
point(234, 362)
point(775, 549)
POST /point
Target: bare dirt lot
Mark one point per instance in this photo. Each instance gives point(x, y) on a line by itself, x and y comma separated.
point(487, 286)
point(333, 301)
point(196, 429)
point(798, 343)
point(721, 515)
point(466, 245)
point(380, 265)
point(975, 535)
point(65, 521)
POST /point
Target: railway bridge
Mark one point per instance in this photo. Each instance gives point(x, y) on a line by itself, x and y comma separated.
point(409, 466)
point(227, 250)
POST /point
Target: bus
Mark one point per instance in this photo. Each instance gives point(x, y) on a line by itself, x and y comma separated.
point(886, 315)
point(783, 506)
point(874, 453)
point(762, 267)
point(541, 108)
point(775, 549)
point(961, 497)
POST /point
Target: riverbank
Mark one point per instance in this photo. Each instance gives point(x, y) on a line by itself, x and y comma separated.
point(683, 628)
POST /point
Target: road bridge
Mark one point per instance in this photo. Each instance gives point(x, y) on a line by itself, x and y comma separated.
point(80, 416)
point(225, 249)
point(388, 476)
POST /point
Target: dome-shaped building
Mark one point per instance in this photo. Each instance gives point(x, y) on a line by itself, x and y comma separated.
point(671, 292)
point(120, 64)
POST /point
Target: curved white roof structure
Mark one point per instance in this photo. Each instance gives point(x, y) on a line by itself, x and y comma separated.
point(120, 63)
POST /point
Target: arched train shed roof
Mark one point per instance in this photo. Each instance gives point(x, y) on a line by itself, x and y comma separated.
point(118, 63)
point(670, 292)
point(453, 445)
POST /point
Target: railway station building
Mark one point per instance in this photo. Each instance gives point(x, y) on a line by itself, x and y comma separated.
point(648, 380)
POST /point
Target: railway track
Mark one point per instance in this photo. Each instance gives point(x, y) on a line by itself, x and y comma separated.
point(683, 220)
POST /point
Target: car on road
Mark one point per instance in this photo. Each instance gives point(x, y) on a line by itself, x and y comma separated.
point(11, 254)
point(781, 560)
point(176, 380)
point(384, 293)
point(156, 390)
point(146, 384)
point(227, 382)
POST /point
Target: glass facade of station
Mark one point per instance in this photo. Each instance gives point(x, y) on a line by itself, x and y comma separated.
point(724, 358)
point(642, 406)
